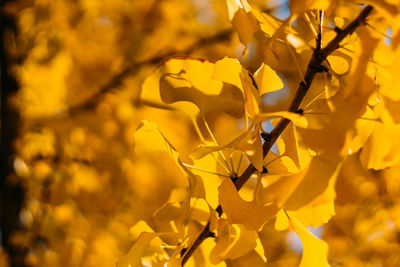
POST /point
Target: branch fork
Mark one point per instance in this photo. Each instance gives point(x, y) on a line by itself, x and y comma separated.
point(314, 66)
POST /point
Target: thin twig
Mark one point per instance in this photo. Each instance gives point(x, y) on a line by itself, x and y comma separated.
point(314, 66)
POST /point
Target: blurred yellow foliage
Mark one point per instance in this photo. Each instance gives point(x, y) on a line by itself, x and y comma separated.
point(138, 122)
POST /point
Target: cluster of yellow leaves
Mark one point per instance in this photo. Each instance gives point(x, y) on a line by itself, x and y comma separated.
point(165, 168)
point(301, 177)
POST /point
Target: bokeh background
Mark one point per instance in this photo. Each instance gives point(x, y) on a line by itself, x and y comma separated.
point(71, 185)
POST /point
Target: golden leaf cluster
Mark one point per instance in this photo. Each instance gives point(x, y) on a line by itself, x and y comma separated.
point(206, 133)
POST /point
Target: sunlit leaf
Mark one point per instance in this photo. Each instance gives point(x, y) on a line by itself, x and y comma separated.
point(251, 214)
point(267, 80)
point(315, 251)
point(233, 241)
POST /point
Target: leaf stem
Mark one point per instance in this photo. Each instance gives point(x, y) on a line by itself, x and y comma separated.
point(314, 67)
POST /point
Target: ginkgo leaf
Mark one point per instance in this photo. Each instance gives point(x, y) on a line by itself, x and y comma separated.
point(228, 70)
point(290, 147)
point(269, 24)
point(279, 191)
point(188, 85)
point(204, 260)
point(358, 86)
point(315, 251)
point(320, 209)
point(251, 214)
point(315, 214)
point(207, 168)
point(387, 74)
point(309, 192)
point(338, 64)
point(147, 239)
point(133, 258)
point(177, 88)
point(364, 127)
point(321, 171)
point(233, 241)
point(195, 182)
point(381, 149)
point(282, 221)
point(249, 142)
point(339, 130)
point(242, 19)
point(148, 137)
point(267, 79)
point(279, 165)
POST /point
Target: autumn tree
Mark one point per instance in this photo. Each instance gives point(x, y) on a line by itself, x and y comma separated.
point(202, 133)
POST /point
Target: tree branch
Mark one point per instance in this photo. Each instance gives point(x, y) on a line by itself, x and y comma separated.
point(314, 66)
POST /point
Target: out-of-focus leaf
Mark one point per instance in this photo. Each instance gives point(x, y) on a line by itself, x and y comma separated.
point(338, 64)
point(382, 148)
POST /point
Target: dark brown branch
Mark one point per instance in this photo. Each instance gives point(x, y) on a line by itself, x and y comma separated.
point(314, 66)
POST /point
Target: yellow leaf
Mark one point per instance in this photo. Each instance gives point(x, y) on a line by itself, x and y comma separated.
point(282, 222)
point(233, 241)
point(279, 165)
point(315, 251)
point(291, 149)
point(357, 82)
point(279, 191)
point(195, 182)
point(267, 80)
point(315, 214)
point(387, 73)
point(188, 85)
point(242, 19)
point(382, 148)
point(147, 240)
point(268, 23)
point(249, 142)
point(322, 170)
point(204, 260)
point(338, 64)
point(210, 180)
point(177, 88)
point(148, 137)
point(251, 214)
point(228, 70)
